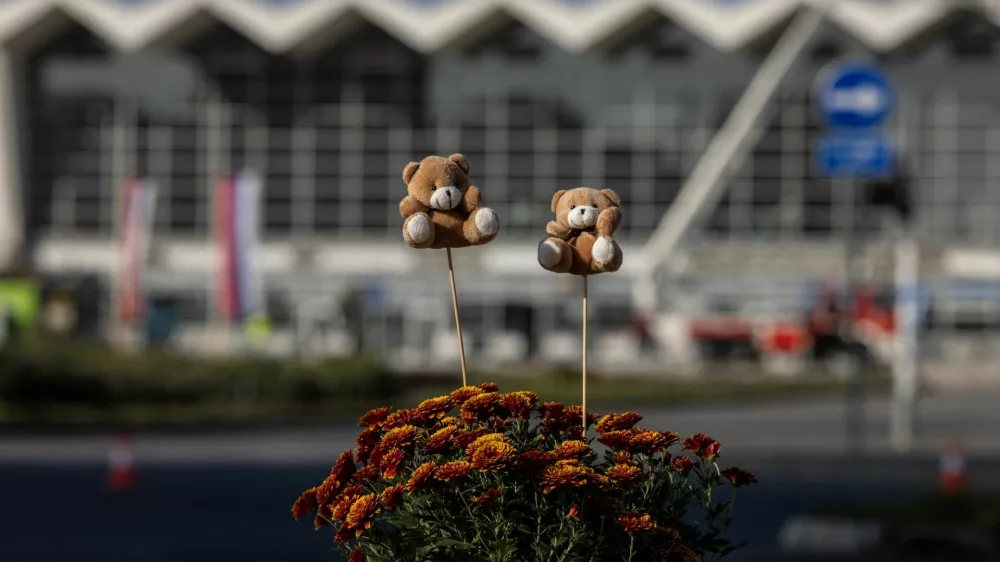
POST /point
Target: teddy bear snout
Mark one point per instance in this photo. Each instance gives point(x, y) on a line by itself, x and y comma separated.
point(446, 198)
point(583, 216)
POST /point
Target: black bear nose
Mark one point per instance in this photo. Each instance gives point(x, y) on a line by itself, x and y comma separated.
point(581, 210)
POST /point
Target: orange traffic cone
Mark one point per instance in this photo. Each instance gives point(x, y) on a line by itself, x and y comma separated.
point(121, 472)
point(952, 468)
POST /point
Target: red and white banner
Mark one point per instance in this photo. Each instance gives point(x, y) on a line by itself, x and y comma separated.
point(134, 237)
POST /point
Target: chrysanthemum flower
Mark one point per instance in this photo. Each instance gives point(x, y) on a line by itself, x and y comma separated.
point(319, 522)
point(435, 408)
point(357, 555)
point(604, 483)
point(573, 415)
point(452, 471)
point(702, 445)
point(440, 441)
point(400, 437)
point(344, 534)
point(374, 418)
point(466, 392)
point(479, 407)
point(622, 473)
point(493, 456)
point(362, 512)
point(448, 421)
point(470, 449)
point(393, 496)
point(616, 439)
point(622, 457)
point(421, 477)
point(614, 422)
point(390, 463)
point(342, 505)
point(633, 523)
point(305, 505)
point(520, 404)
point(572, 450)
point(488, 386)
point(488, 498)
point(401, 418)
point(647, 442)
point(574, 511)
point(682, 465)
point(344, 468)
point(465, 437)
point(739, 477)
point(535, 460)
point(367, 438)
point(368, 473)
point(565, 474)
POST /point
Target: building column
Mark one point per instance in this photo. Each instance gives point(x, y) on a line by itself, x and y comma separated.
point(11, 207)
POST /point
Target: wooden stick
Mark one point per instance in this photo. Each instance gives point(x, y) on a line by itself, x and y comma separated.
point(458, 323)
point(584, 406)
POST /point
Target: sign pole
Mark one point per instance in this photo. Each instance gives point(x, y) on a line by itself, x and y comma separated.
point(906, 365)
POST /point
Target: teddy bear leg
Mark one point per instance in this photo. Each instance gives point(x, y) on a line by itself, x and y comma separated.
point(606, 255)
point(418, 231)
point(481, 226)
point(555, 255)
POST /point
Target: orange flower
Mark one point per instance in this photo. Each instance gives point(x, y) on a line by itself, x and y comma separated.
point(519, 404)
point(535, 460)
point(319, 522)
point(403, 436)
point(671, 436)
point(739, 477)
point(479, 407)
point(403, 417)
point(463, 438)
point(342, 505)
point(623, 457)
point(362, 512)
point(368, 473)
point(489, 498)
point(616, 439)
point(305, 504)
point(552, 409)
point(357, 555)
point(374, 418)
point(434, 408)
point(572, 450)
point(682, 464)
point(440, 441)
point(466, 392)
point(452, 471)
point(391, 462)
point(484, 439)
point(448, 421)
point(574, 511)
point(604, 483)
point(633, 523)
point(703, 446)
point(421, 477)
point(614, 422)
point(488, 386)
point(621, 473)
point(574, 415)
point(564, 474)
point(367, 438)
point(344, 468)
point(648, 442)
point(344, 534)
point(493, 456)
point(392, 497)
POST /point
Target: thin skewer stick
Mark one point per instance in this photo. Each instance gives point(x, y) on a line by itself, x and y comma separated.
point(458, 323)
point(584, 406)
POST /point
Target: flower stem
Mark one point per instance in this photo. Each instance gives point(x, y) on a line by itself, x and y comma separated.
point(631, 548)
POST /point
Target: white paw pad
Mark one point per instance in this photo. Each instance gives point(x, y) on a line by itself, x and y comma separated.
point(603, 251)
point(549, 254)
point(487, 222)
point(419, 228)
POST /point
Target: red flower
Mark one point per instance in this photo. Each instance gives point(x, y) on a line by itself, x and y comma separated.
point(488, 498)
point(391, 462)
point(374, 418)
point(574, 511)
point(535, 460)
point(621, 473)
point(682, 464)
point(403, 417)
point(441, 441)
point(363, 512)
point(466, 392)
point(613, 422)
point(305, 504)
point(403, 436)
point(452, 471)
point(421, 477)
point(648, 442)
point(436, 408)
point(392, 497)
point(344, 468)
point(573, 416)
point(572, 450)
point(739, 477)
point(552, 410)
point(344, 534)
point(493, 456)
point(489, 386)
point(368, 473)
point(633, 523)
point(464, 438)
point(703, 446)
point(357, 555)
point(479, 407)
point(319, 522)
point(564, 474)
point(616, 439)
point(342, 505)
point(519, 404)
point(623, 457)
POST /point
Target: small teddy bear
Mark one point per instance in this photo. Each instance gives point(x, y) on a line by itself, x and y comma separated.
point(580, 239)
point(442, 209)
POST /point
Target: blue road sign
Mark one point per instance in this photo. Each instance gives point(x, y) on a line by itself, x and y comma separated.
point(854, 95)
point(855, 155)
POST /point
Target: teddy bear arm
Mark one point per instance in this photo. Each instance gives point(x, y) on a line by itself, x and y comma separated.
point(558, 230)
point(608, 221)
point(410, 206)
point(472, 200)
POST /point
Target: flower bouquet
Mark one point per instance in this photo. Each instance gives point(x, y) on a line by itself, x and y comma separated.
point(478, 475)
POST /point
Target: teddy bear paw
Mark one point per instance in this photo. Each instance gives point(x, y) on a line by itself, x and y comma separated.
point(487, 222)
point(603, 251)
point(419, 228)
point(549, 254)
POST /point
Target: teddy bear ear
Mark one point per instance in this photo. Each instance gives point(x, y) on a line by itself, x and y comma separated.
point(615, 200)
point(461, 161)
point(555, 199)
point(409, 171)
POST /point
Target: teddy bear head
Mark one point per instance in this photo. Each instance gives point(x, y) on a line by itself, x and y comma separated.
point(437, 182)
point(579, 208)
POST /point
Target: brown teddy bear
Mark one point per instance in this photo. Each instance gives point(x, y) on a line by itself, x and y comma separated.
point(580, 239)
point(442, 209)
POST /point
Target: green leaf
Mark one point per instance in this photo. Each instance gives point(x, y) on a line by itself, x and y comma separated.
point(453, 543)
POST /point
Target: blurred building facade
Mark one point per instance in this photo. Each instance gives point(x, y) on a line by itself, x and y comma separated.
point(328, 99)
